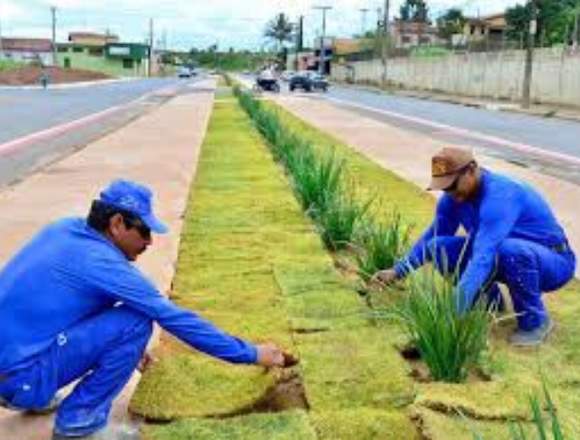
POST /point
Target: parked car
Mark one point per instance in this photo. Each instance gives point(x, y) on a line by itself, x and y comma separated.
point(308, 81)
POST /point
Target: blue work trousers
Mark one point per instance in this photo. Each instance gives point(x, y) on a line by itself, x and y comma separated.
point(527, 268)
point(102, 351)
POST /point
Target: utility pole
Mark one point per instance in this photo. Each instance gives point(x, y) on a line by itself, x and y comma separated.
point(385, 48)
point(322, 58)
point(532, 31)
point(299, 41)
point(151, 35)
point(1, 50)
point(363, 24)
point(53, 13)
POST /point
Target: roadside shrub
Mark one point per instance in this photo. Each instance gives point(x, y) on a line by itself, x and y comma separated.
point(378, 246)
point(317, 181)
point(449, 342)
point(339, 218)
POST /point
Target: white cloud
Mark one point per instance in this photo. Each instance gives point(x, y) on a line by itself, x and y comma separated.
point(203, 22)
point(10, 10)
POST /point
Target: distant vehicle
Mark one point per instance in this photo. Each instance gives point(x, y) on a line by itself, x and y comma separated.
point(308, 81)
point(267, 81)
point(287, 75)
point(184, 72)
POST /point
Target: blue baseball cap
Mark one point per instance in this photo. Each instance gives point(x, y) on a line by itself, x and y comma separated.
point(134, 198)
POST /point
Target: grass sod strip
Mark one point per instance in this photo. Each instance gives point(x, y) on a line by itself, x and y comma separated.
point(449, 343)
point(509, 374)
point(245, 241)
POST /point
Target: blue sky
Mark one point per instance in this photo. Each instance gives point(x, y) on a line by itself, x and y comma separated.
point(182, 24)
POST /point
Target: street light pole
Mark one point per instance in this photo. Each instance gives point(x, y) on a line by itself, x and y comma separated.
point(363, 24)
point(322, 58)
point(384, 53)
point(53, 13)
point(528, 71)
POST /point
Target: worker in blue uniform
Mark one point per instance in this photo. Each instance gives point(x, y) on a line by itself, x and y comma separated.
point(72, 306)
point(510, 236)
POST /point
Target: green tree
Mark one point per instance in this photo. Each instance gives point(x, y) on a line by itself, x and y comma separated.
point(555, 21)
point(280, 30)
point(414, 10)
point(452, 22)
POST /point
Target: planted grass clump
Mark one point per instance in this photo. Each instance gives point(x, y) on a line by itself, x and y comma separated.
point(545, 430)
point(379, 246)
point(339, 220)
point(449, 342)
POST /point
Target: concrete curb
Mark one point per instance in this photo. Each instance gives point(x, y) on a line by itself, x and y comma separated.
point(71, 85)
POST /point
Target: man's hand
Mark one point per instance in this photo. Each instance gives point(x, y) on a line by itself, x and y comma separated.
point(384, 277)
point(270, 355)
point(146, 361)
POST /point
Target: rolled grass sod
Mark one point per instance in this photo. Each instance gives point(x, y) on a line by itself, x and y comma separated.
point(251, 260)
point(287, 426)
point(498, 390)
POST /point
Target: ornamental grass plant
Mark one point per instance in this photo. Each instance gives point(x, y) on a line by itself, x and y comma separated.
point(449, 342)
point(545, 430)
point(378, 246)
point(317, 182)
point(339, 218)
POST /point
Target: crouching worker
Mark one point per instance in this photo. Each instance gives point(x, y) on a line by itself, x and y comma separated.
point(512, 237)
point(72, 306)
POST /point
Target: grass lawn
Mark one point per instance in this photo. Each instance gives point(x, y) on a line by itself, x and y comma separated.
point(252, 262)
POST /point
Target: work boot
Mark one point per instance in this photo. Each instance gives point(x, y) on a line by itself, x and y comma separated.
point(121, 432)
point(48, 409)
point(534, 337)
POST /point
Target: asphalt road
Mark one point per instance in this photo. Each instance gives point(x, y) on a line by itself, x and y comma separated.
point(548, 145)
point(25, 112)
point(556, 135)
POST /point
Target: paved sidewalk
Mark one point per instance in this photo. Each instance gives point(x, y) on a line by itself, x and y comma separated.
point(409, 155)
point(160, 149)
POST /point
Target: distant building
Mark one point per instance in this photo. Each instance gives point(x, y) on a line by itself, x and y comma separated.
point(407, 34)
point(491, 27)
point(104, 53)
point(92, 38)
point(26, 50)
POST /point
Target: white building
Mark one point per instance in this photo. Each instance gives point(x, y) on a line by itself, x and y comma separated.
point(26, 50)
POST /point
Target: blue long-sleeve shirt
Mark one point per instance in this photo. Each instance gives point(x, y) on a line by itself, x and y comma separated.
point(69, 272)
point(503, 208)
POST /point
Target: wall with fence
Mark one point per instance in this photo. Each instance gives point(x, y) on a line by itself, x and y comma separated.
point(498, 75)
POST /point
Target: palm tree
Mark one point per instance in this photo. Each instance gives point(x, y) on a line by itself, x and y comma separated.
point(279, 29)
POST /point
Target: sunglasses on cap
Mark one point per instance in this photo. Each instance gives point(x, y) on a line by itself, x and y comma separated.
point(134, 222)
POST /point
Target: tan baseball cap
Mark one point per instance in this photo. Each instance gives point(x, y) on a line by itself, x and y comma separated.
point(446, 166)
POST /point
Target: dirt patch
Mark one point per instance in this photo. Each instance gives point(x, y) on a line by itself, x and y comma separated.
point(30, 75)
point(420, 372)
point(286, 394)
